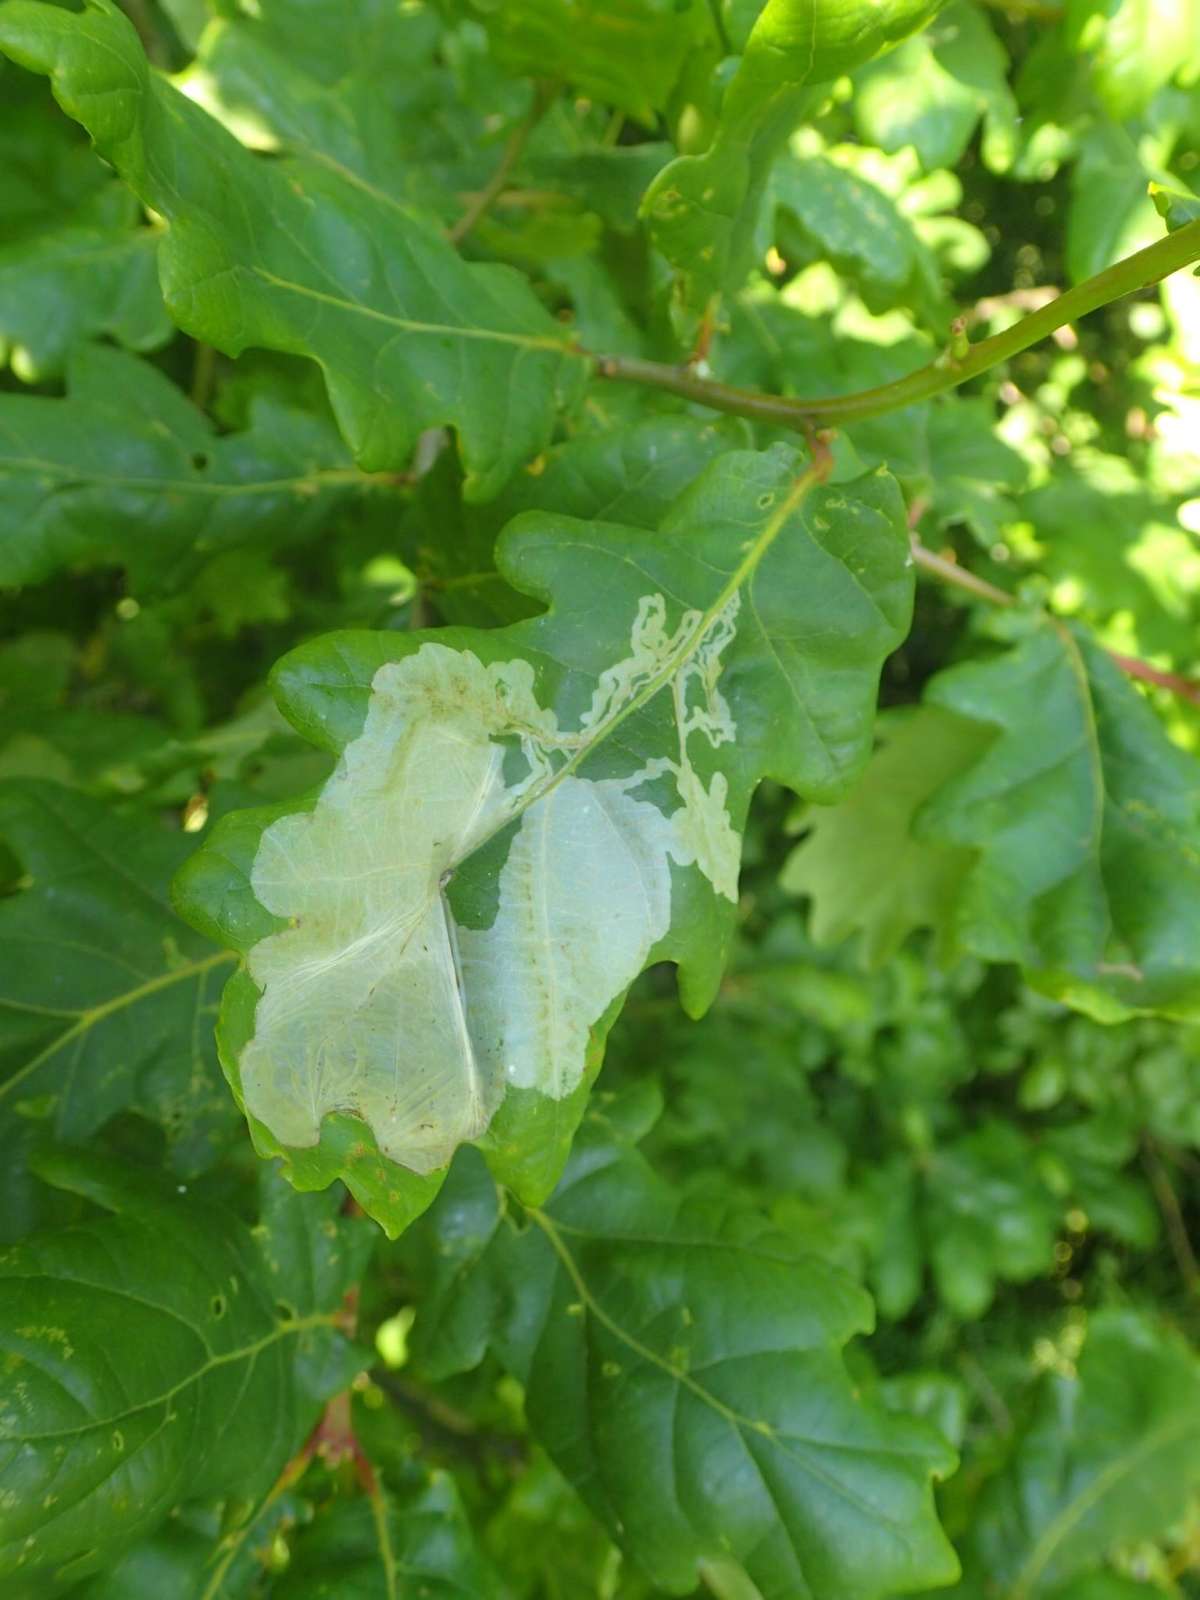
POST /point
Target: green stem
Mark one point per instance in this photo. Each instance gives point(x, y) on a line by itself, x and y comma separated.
point(719, 28)
point(1138, 271)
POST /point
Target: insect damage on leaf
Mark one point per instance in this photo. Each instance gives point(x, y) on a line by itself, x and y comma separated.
point(524, 818)
point(375, 1000)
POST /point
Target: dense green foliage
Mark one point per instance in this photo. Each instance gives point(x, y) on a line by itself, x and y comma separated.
point(599, 799)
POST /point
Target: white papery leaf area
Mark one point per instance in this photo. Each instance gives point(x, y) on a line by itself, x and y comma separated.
point(373, 999)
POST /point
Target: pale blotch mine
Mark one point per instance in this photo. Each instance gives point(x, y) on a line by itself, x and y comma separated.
point(373, 1001)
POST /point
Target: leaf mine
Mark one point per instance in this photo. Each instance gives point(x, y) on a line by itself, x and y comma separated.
point(374, 1000)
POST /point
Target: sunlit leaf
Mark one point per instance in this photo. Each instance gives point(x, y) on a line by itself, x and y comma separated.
point(703, 211)
point(124, 470)
point(694, 1436)
point(147, 1364)
point(1113, 546)
point(1135, 47)
point(933, 91)
point(311, 263)
point(588, 768)
point(108, 998)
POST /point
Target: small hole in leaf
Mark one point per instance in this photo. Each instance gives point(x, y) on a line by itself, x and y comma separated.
point(765, 500)
point(284, 1312)
point(217, 1305)
point(200, 460)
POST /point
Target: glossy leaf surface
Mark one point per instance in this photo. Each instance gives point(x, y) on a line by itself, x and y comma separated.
point(124, 470)
point(365, 288)
point(147, 1364)
point(694, 1436)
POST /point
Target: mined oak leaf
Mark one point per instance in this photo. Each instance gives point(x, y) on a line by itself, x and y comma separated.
point(521, 819)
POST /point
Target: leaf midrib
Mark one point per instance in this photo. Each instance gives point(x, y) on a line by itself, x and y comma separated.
point(88, 478)
point(525, 341)
point(281, 1330)
point(737, 1420)
point(795, 497)
point(759, 546)
point(1075, 1510)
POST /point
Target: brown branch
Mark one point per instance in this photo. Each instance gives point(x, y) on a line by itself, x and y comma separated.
point(1172, 1215)
point(948, 571)
point(1185, 688)
point(543, 95)
point(204, 372)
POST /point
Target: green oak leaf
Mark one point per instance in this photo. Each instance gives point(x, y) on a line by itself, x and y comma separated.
point(697, 1437)
point(859, 861)
point(106, 998)
point(625, 53)
point(1086, 821)
point(703, 211)
point(829, 213)
point(932, 92)
point(1109, 1458)
point(90, 274)
point(628, 475)
point(312, 263)
point(1134, 46)
point(500, 794)
point(146, 1363)
point(125, 469)
point(422, 1546)
point(360, 89)
point(1073, 852)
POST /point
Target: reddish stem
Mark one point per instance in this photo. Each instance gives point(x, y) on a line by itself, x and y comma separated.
point(1185, 688)
point(950, 572)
